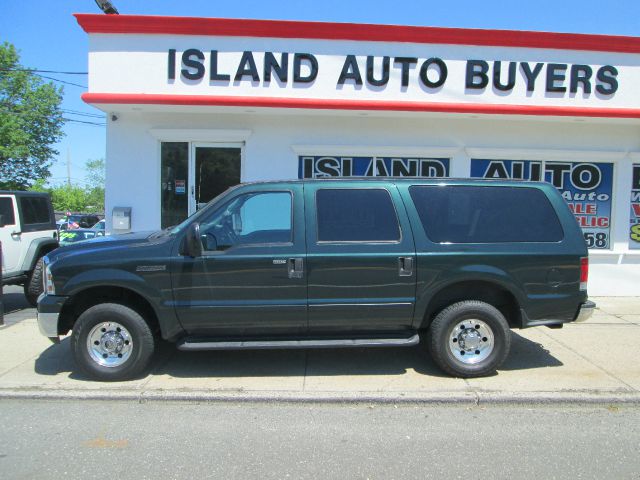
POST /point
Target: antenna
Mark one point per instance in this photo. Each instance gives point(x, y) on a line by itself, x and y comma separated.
point(107, 7)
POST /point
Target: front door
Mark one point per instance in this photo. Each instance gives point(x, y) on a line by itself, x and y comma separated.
point(250, 279)
point(193, 174)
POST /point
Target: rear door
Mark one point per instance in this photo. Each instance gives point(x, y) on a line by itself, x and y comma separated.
point(360, 258)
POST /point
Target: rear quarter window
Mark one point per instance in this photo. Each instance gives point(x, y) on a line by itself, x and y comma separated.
point(486, 214)
point(35, 210)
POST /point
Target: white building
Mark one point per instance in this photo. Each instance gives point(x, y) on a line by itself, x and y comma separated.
point(197, 104)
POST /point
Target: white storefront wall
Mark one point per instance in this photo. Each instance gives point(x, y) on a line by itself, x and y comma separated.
point(125, 67)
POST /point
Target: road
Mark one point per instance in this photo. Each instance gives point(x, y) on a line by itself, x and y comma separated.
point(16, 308)
point(111, 439)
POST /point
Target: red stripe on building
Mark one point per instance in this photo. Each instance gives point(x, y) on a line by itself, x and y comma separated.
point(328, 104)
point(222, 27)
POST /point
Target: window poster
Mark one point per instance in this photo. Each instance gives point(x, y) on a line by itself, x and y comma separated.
point(323, 166)
point(586, 186)
point(634, 227)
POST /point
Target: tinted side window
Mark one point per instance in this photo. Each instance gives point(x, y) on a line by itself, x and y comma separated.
point(6, 210)
point(349, 215)
point(34, 210)
point(251, 219)
point(461, 214)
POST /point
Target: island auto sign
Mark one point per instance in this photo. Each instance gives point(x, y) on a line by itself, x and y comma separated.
point(398, 72)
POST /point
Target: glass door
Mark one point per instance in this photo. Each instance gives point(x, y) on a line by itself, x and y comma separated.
point(193, 174)
point(213, 169)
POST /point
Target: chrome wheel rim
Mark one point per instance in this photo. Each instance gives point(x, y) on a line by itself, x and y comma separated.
point(109, 344)
point(471, 341)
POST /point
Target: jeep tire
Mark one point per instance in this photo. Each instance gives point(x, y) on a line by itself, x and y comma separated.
point(469, 339)
point(33, 286)
point(112, 342)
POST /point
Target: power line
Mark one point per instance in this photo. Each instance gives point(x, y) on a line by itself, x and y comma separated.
point(61, 81)
point(34, 70)
point(84, 122)
point(82, 114)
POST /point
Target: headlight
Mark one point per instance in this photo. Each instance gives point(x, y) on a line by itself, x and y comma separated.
point(47, 279)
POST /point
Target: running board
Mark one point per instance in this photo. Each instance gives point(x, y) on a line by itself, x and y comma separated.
point(194, 345)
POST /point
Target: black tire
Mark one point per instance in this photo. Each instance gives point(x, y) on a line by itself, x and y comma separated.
point(445, 331)
point(33, 286)
point(140, 334)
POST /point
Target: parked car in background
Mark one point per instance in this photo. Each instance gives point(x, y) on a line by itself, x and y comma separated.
point(68, 237)
point(99, 227)
point(74, 221)
point(27, 232)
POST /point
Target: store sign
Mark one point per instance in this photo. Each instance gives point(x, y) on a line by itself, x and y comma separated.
point(324, 73)
point(325, 166)
point(634, 227)
point(586, 186)
point(430, 73)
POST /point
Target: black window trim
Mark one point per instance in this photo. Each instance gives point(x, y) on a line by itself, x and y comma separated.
point(359, 242)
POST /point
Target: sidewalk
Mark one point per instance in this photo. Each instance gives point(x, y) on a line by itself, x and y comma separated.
point(597, 361)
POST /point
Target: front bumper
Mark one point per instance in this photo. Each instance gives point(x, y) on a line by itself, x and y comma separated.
point(49, 307)
point(585, 311)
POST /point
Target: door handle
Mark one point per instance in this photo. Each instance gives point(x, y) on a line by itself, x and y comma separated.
point(295, 267)
point(16, 234)
point(405, 266)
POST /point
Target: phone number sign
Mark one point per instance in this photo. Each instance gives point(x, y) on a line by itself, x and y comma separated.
point(586, 186)
point(634, 227)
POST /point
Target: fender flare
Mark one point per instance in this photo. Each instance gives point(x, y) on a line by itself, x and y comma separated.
point(35, 248)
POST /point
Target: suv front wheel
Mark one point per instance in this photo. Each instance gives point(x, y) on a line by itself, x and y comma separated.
point(469, 339)
point(112, 342)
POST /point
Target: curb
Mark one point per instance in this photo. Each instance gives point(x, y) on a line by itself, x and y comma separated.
point(469, 398)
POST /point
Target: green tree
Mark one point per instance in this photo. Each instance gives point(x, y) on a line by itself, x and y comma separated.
point(95, 184)
point(69, 198)
point(30, 122)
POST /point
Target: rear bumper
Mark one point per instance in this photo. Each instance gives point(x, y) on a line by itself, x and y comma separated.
point(585, 311)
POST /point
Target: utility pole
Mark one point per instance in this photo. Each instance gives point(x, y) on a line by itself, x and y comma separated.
point(69, 166)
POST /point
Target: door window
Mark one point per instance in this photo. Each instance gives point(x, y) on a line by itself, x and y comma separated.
point(251, 219)
point(352, 215)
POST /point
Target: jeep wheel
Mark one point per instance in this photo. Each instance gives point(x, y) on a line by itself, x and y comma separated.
point(112, 342)
point(33, 286)
point(469, 339)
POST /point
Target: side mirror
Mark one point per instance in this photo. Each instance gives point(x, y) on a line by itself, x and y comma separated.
point(192, 245)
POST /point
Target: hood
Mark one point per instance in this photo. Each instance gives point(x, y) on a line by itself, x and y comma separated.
point(110, 242)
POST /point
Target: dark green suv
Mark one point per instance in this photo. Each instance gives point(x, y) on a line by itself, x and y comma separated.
point(327, 263)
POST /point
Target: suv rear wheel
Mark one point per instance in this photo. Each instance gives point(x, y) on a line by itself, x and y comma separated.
point(469, 339)
point(112, 342)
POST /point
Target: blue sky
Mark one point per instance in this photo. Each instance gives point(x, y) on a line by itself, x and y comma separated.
point(49, 38)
